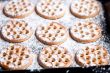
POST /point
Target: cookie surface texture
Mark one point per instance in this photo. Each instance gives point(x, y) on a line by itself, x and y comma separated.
point(18, 8)
point(52, 34)
point(15, 57)
point(85, 32)
point(16, 31)
point(92, 55)
point(54, 57)
point(50, 9)
point(85, 8)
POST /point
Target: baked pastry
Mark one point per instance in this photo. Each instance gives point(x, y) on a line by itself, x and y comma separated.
point(85, 8)
point(85, 32)
point(52, 34)
point(54, 57)
point(92, 55)
point(50, 9)
point(15, 57)
point(18, 8)
point(16, 31)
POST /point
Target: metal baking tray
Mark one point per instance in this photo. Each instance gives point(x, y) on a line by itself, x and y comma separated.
point(68, 20)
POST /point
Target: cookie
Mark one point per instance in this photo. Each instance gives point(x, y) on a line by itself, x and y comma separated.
point(16, 31)
point(93, 55)
point(50, 9)
point(85, 8)
point(52, 34)
point(18, 8)
point(85, 32)
point(54, 57)
point(15, 57)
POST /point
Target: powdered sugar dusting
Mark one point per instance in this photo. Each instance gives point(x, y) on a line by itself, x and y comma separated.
point(68, 20)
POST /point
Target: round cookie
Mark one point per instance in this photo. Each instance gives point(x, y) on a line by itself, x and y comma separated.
point(85, 8)
point(15, 57)
point(54, 57)
point(52, 34)
point(18, 8)
point(92, 55)
point(85, 32)
point(50, 9)
point(16, 31)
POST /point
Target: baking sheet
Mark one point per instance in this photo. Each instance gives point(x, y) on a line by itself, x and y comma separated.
point(68, 20)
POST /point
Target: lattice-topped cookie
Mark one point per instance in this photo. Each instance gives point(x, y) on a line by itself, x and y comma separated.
point(92, 56)
point(16, 31)
point(85, 32)
point(18, 8)
point(50, 9)
point(52, 34)
point(54, 57)
point(85, 8)
point(15, 57)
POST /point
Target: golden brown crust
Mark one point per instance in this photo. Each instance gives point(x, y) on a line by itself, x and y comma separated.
point(54, 57)
point(15, 57)
point(52, 32)
point(85, 33)
point(56, 15)
point(87, 8)
point(20, 14)
point(84, 41)
point(18, 35)
point(19, 17)
point(52, 43)
point(92, 55)
point(51, 18)
point(82, 16)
